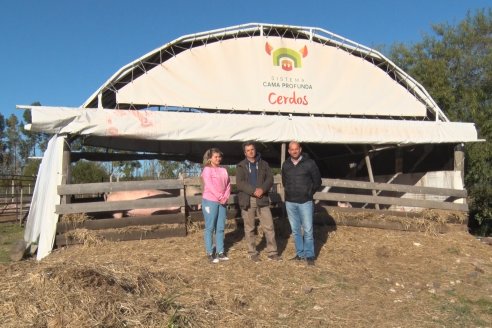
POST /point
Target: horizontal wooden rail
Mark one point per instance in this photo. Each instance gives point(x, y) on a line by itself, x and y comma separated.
point(120, 205)
point(354, 184)
point(100, 187)
point(352, 198)
point(111, 235)
point(99, 224)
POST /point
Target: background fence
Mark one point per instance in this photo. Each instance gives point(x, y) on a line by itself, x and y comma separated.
point(15, 197)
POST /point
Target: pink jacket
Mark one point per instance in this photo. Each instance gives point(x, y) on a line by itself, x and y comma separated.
point(216, 184)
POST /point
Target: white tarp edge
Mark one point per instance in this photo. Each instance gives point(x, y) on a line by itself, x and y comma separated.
point(42, 219)
point(186, 126)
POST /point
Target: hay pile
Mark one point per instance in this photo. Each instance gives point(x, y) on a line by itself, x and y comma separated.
point(362, 278)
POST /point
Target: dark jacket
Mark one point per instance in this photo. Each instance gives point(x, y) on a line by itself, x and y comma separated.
point(300, 181)
point(245, 190)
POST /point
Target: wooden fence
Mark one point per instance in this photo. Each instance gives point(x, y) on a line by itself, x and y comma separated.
point(358, 193)
point(15, 197)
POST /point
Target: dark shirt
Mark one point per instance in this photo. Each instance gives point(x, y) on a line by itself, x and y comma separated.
point(253, 173)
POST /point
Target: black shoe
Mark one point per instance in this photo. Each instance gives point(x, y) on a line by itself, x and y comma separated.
point(274, 257)
point(297, 258)
point(255, 258)
point(310, 261)
point(222, 257)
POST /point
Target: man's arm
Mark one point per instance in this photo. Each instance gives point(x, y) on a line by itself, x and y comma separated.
point(316, 177)
point(268, 183)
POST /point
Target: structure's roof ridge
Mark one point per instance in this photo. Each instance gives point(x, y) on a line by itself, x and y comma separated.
point(314, 34)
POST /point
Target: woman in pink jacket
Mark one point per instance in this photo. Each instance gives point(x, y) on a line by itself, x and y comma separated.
point(216, 192)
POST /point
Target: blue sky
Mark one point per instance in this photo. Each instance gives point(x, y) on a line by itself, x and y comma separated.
point(58, 52)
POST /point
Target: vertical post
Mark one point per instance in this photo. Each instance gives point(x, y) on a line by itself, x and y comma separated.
point(398, 161)
point(371, 176)
point(182, 195)
point(99, 100)
point(283, 154)
point(65, 199)
point(281, 192)
point(184, 202)
point(21, 206)
point(459, 161)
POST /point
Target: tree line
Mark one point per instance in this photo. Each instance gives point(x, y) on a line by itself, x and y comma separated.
point(20, 149)
point(454, 64)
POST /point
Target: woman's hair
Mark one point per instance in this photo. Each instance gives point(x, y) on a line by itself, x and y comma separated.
point(208, 155)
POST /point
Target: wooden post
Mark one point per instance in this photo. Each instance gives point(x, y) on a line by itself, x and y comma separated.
point(65, 171)
point(398, 161)
point(281, 192)
point(21, 207)
point(371, 176)
point(459, 161)
point(182, 195)
point(283, 154)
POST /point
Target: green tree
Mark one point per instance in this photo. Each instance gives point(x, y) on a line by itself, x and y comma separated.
point(455, 66)
point(13, 140)
point(31, 138)
point(125, 169)
point(31, 168)
point(3, 145)
point(88, 172)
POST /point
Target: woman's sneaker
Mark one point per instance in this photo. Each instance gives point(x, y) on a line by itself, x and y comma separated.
point(222, 257)
point(212, 259)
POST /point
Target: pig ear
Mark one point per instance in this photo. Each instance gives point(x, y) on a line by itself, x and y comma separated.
point(304, 51)
point(268, 48)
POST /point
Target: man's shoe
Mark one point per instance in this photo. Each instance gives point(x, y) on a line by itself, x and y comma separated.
point(297, 258)
point(255, 258)
point(212, 259)
point(310, 261)
point(274, 257)
point(222, 257)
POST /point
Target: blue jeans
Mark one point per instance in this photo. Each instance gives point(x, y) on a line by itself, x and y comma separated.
point(301, 216)
point(215, 216)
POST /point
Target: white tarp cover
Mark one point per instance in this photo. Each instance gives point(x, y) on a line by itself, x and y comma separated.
point(272, 74)
point(42, 219)
point(185, 126)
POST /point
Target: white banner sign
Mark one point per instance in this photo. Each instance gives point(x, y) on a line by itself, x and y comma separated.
point(274, 75)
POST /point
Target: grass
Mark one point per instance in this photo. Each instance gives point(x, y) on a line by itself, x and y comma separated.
point(464, 310)
point(9, 234)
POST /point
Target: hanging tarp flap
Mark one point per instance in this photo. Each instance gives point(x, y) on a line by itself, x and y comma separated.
point(42, 219)
point(186, 126)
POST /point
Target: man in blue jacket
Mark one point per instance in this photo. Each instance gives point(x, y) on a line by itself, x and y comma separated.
point(301, 179)
point(254, 179)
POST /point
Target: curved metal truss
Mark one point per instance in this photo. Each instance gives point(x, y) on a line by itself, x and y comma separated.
point(105, 96)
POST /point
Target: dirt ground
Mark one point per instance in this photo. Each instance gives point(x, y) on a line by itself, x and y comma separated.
point(362, 278)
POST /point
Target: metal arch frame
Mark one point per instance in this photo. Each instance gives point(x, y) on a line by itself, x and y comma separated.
point(312, 34)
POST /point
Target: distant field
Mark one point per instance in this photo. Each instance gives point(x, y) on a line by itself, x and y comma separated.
point(9, 233)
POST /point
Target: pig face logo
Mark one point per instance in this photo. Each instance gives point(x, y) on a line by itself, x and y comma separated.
point(286, 58)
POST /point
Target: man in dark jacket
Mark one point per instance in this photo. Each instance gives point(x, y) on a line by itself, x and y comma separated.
point(253, 180)
point(301, 179)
